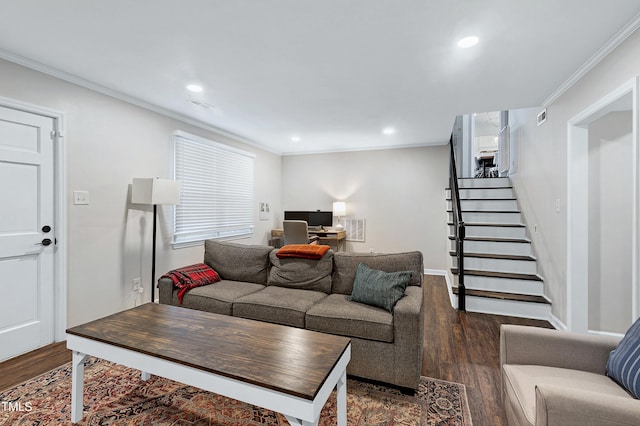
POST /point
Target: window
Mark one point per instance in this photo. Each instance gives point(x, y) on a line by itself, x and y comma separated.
point(216, 199)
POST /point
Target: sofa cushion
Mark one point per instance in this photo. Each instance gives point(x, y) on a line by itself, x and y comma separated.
point(238, 262)
point(218, 298)
point(520, 383)
point(336, 314)
point(378, 288)
point(623, 364)
point(304, 274)
point(286, 306)
point(346, 265)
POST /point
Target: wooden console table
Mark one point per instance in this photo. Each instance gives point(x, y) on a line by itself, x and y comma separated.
point(329, 238)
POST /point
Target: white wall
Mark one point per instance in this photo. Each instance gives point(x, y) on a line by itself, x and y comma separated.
point(541, 176)
point(400, 193)
point(610, 219)
point(108, 142)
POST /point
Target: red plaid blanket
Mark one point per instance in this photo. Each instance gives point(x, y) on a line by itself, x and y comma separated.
point(191, 276)
point(303, 251)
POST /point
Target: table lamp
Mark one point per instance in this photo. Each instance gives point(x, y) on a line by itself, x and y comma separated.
point(339, 209)
point(155, 192)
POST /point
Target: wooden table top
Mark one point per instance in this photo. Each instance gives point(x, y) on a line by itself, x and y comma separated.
point(285, 359)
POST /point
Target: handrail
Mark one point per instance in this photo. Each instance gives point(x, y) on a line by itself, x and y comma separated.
point(458, 225)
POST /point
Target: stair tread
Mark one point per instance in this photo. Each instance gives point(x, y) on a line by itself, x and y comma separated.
point(496, 256)
point(505, 296)
point(485, 199)
point(492, 274)
point(495, 239)
point(481, 187)
point(487, 211)
point(515, 225)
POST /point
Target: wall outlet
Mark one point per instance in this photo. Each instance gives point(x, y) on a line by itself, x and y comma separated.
point(137, 286)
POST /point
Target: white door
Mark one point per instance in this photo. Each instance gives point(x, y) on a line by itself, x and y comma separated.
point(27, 240)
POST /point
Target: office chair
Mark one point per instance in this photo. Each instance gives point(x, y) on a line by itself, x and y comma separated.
point(297, 232)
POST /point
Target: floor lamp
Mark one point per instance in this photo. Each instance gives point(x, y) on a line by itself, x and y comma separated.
point(155, 192)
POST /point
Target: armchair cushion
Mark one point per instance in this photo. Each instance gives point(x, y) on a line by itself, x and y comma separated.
point(522, 381)
point(624, 362)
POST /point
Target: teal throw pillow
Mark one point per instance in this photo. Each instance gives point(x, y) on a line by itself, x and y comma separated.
point(623, 365)
point(379, 288)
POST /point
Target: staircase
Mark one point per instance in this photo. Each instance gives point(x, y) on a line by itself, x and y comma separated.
point(501, 274)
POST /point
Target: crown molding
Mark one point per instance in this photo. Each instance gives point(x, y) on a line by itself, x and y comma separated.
point(362, 149)
point(87, 84)
point(594, 60)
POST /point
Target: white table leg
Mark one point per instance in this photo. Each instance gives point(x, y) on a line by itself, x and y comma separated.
point(77, 386)
point(341, 395)
point(145, 376)
point(297, 422)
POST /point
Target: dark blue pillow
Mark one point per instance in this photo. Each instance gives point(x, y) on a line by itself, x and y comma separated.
point(623, 365)
point(378, 288)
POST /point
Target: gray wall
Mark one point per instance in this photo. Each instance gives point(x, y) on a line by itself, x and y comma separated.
point(400, 193)
point(108, 142)
point(610, 219)
point(540, 177)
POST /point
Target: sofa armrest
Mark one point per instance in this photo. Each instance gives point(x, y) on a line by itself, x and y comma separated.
point(553, 348)
point(165, 290)
point(557, 406)
point(408, 332)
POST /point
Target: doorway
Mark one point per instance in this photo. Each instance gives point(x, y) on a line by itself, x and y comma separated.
point(32, 261)
point(602, 216)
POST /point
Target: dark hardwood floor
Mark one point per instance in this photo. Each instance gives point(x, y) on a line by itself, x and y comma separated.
point(459, 347)
point(465, 348)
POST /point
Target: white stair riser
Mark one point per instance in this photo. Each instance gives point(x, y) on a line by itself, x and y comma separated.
point(486, 205)
point(498, 265)
point(493, 231)
point(488, 217)
point(483, 193)
point(484, 183)
point(506, 307)
point(504, 285)
point(495, 247)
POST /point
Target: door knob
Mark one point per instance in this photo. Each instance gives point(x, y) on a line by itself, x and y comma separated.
point(46, 242)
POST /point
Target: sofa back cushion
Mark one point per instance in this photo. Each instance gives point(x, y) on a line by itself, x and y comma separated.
point(238, 262)
point(305, 274)
point(346, 266)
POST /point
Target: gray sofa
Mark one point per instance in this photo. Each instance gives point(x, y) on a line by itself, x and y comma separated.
point(314, 294)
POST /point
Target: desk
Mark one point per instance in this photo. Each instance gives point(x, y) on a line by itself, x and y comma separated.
point(329, 238)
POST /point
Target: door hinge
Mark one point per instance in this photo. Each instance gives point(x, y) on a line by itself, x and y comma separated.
point(55, 134)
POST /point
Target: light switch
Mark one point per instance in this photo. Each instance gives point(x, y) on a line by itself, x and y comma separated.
point(80, 197)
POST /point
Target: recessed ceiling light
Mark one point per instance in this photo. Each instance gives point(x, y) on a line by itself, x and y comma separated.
point(388, 131)
point(196, 88)
point(467, 42)
point(295, 138)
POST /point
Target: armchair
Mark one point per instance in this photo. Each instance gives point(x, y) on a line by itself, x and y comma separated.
point(552, 377)
point(297, 232)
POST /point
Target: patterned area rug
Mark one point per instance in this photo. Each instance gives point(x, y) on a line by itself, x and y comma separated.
point(115, 395)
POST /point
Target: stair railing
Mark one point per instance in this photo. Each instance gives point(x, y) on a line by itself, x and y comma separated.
point(458, 225)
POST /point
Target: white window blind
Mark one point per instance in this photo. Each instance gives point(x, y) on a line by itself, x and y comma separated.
point(216, 199)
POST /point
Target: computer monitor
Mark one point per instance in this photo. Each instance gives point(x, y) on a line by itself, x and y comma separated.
point(313, 218)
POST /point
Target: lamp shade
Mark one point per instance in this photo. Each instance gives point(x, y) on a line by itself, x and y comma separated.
point(155, 191)
point(339, 208)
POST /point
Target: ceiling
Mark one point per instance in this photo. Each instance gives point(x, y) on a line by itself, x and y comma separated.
point(334, 73)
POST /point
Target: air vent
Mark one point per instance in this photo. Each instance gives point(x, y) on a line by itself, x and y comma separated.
point(355, 228)
point(201, 104)
point(542, 116)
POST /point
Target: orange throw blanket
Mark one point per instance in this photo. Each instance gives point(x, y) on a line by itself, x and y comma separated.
point(303, 251)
